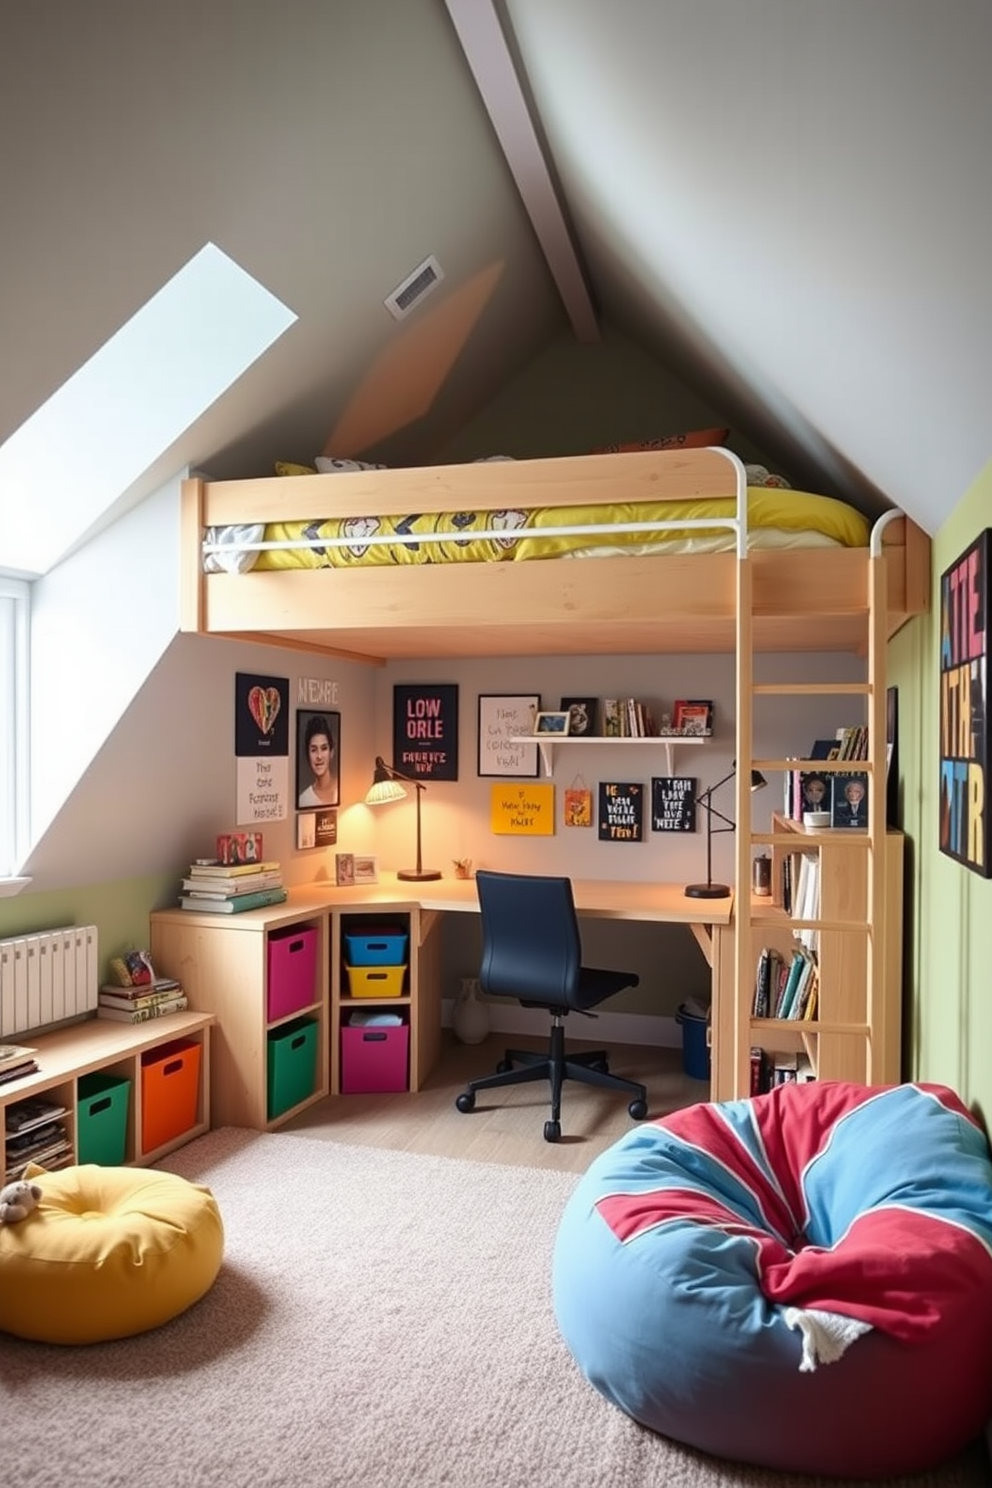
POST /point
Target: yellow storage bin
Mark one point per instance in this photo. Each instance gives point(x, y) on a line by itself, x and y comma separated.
point(376, 981)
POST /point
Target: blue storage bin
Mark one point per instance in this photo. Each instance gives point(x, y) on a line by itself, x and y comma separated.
point(376, 945)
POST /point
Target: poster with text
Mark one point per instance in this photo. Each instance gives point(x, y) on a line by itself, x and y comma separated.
point(523, 810)
point(621, 811)
point(964, 742)
point(425, 730)
point(261, 747)
point(673, 803)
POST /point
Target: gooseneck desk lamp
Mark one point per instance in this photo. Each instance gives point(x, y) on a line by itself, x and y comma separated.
point(386, 786)
point(709, 889)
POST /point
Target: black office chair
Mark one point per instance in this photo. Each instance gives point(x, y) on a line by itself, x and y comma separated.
point(532, 951)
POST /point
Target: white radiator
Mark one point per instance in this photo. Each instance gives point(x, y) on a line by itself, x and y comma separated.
point(46, 978)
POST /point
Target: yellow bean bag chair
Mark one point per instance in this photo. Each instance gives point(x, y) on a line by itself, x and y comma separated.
point(107, 1252)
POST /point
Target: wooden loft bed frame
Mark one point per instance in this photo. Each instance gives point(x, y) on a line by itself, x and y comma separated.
point(815, 599)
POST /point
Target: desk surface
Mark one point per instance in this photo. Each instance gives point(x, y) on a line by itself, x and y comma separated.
point(602, 898)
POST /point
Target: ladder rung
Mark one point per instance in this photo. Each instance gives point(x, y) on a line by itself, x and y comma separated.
point(811, 689)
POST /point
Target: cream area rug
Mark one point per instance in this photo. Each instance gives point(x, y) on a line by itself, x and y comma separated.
point(381, 1320)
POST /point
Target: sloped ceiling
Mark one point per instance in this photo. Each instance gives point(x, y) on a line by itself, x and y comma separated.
point(785, 202)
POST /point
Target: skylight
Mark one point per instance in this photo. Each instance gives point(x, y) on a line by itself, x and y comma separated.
point(124, 408)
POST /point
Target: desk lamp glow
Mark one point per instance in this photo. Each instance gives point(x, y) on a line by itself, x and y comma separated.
point(709, 889)
point(386, 787)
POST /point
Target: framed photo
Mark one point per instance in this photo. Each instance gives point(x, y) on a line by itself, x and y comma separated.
point(366, 870)
point(965, 756)
point(504, 719)
point(581, 716)
point(693, 716)
point(551, 723)
point(318, 760)
point(344, 868)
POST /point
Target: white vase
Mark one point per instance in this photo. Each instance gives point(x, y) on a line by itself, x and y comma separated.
point(470, 1018)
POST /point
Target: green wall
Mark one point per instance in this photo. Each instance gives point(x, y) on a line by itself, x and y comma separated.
point(948, 929)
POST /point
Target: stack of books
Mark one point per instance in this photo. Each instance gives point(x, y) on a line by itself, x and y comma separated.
point(139, 1004)
point(35, 1131)
point(229, 888)
point(16, 1061)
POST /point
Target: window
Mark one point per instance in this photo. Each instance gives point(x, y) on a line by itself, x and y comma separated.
point(14, 606)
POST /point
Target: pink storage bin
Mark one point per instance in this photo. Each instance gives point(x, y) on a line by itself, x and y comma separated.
point(292, 970)
point(374, 1059)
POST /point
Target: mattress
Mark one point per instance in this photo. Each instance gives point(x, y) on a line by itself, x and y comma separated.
point(776, 518)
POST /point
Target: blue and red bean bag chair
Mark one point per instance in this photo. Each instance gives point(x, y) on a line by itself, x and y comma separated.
point(802, 1280)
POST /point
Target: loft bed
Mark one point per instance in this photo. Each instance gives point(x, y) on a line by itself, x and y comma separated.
point(397, 576)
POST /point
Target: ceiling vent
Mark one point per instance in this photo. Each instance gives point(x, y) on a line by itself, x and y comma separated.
point(408, 294)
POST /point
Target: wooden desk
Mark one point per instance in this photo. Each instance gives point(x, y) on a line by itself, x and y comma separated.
point(222, 961)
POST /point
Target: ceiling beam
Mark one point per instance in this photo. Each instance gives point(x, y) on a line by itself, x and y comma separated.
point(484, 44)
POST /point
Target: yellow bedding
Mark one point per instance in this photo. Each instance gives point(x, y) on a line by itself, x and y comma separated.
point(784, 510)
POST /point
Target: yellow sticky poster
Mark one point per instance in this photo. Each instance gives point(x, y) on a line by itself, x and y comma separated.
point(524, 809)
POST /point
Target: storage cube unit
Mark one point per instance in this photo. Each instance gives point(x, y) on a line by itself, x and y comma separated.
point(375, 981)
point(292, 1065)
point(170, 1079)
point(375, 1058)
point(102, 1103)
point(292, 970)
point(376, 945)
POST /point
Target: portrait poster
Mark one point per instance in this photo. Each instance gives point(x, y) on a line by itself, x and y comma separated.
point(425, 730)
point(522, 810)
point(964, 740)
point(261, 747)
point(673, 803)
point(318, 760)
point(621, 811)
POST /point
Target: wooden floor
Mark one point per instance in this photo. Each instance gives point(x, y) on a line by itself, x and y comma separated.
point(507, 1125)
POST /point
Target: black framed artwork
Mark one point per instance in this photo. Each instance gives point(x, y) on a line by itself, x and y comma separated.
point(581, 715)
point(425, 730)
point(963, 708)
point(318, 760)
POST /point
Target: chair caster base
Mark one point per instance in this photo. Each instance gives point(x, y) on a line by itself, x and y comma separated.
point(465, 1102)
point(552, 1131)
point(637, 1110)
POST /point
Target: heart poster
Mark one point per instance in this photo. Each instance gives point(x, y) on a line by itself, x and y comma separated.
point(261, 715)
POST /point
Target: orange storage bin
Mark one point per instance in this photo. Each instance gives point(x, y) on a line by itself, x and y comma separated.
point(170, 1084)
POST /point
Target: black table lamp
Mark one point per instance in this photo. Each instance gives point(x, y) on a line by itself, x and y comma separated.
point(709, 889)
point(386, 787)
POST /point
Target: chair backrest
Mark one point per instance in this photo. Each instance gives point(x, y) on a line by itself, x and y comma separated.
point(531, 948)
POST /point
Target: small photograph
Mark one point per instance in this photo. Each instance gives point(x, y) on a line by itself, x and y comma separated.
point(551, 723)
point(581, 715)
point(366, 870)
point(850, 807)
point(815, 791)
point(344, 868)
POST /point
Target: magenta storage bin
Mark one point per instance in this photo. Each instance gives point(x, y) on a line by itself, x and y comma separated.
point(376, 945)
point(292, 970)
point(374, 1059)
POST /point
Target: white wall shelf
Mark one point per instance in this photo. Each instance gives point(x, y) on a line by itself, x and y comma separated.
point(547, 745)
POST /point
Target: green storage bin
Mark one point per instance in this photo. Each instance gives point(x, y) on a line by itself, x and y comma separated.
point(292, 1065)
point(101, 1119)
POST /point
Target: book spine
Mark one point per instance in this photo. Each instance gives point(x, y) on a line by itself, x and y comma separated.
point(142, 1015)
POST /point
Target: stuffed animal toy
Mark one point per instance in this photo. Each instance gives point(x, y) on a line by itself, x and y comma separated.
point(17, 1200)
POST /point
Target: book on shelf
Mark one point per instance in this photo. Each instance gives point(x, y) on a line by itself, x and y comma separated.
point(18, 1071)
point(12, 1056)
point(118, 997)
point(225, 888)
point(257, 900)
point(231, 870)
point(142, 1014)
point(35, 1111)
point(160, 987)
